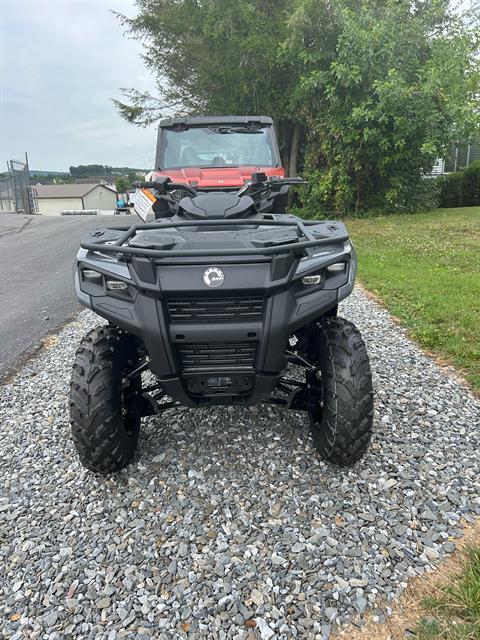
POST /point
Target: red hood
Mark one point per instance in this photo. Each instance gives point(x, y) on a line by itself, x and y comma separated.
point(217, 177)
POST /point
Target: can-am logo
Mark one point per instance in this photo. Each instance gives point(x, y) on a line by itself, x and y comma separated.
point(213, 277)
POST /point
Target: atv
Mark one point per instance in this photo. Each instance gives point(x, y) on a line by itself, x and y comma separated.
point(218, 303)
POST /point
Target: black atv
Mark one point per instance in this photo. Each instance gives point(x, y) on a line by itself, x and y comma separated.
point(224, 305)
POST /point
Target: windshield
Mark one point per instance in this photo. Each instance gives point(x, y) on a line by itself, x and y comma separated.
point(217, 146)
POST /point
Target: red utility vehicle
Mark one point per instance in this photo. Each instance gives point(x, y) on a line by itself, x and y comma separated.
point(219, 153)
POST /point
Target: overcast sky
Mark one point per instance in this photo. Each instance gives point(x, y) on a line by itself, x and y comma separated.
point(61, 62)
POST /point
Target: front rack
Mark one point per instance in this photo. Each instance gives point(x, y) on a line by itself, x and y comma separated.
point(306, 239)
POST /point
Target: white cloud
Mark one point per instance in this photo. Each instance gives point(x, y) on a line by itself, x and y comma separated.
point(62, 63)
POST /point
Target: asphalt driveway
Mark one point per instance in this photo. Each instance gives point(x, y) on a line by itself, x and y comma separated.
point(36, 292)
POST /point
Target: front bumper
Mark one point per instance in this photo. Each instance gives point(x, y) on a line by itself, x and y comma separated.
point(215, 346)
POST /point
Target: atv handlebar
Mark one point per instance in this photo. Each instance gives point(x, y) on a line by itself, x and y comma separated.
point(258, 184)
point(163, 186)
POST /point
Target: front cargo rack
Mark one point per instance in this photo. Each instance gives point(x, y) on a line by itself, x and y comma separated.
point(306, 239)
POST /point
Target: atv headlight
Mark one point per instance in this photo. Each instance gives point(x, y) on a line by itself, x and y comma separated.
point(314, 279)
point(90, 281)
point(120, 289)
point(96, 283)
point(320, 277)
point(91, 276)
point(337, 267)
point(115, 285)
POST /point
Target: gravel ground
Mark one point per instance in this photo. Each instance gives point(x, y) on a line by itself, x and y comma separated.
point(228, 525)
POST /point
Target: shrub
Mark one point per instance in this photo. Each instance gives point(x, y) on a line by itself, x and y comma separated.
point(451, 190)
point(461, 189)
point(318, 201)
point(423, 195)
point(471, 184)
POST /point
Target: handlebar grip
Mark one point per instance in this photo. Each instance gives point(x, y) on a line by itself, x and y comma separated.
point(296, 180)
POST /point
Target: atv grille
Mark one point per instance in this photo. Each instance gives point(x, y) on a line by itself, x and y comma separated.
point(215, 355)
point(236, 309)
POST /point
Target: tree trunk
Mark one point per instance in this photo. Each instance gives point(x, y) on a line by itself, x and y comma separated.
point(282, 139)
point(358, 201)
point(294, 148)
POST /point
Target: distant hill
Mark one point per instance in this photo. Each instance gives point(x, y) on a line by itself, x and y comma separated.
point(86, 170)
point(89, 170)
point(34, 172)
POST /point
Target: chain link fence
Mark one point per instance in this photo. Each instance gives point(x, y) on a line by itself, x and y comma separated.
point(16, 194)
point(7, 195)
point(25, 198)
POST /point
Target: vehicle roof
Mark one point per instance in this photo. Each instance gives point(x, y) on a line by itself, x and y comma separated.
point(202, 120)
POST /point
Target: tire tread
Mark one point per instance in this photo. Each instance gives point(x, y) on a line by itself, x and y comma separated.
point(96, 420)
point(344, 432)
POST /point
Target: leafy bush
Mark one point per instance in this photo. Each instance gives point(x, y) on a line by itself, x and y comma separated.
point(471, 184)
point(416, 195)
point(405, 196)
point(461, 189)
point(451, 190)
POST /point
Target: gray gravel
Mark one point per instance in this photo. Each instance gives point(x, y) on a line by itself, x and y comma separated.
point(228, 525)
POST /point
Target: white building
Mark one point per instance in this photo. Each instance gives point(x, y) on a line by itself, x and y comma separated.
point(55, 198)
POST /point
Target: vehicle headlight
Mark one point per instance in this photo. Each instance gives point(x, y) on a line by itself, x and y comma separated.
point(96, 283)
point(119, 289)
point(115, 285)
point(319, 276)
point(336, 267)
point(91, 281)
point(91, 275)
point(312, 279)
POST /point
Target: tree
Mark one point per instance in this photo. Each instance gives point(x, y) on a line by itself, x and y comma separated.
point(365, 93)
point(122, 184)
point(385, 91)
point(86, 170)
point(131, 178)
point(216, 57)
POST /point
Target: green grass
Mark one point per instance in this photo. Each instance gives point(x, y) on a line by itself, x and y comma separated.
point(426, 269)
point(454, 611)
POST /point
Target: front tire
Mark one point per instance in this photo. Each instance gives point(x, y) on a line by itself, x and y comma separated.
point(341, 415)
point(104, 432)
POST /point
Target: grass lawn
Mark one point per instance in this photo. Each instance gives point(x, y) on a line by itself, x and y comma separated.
point(426, 269)
point(454, 609)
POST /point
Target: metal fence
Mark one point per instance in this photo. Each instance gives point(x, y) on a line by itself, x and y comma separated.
point(16, 194)
point(462, 156)
point(7, 195)
point(24, 196)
